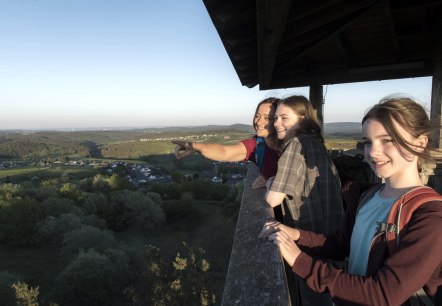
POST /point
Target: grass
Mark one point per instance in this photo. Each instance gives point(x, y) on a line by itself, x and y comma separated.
point(340, 144)
point(25, 173)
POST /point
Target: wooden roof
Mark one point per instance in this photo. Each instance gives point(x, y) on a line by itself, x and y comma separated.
point(284, 43)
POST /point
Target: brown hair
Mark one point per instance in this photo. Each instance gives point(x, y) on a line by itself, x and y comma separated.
point(309, 124)
point(273, 102)
point(412, 117)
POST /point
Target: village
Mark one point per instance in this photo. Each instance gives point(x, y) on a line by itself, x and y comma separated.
point(138, 174)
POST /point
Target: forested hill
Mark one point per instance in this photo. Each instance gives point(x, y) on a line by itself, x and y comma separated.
point(133, 143)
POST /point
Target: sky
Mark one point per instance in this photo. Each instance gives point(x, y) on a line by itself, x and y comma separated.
point(140, 63)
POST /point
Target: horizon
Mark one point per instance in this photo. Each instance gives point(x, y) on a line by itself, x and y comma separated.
point(83, 64)
point(95, 129)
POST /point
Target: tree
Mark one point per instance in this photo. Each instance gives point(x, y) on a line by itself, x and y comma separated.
point(70, 190)
point(85, 238)
point(8, 191)
point(25, 295)
point(185, 282)
point(135, 208)
point(18, 220)
point(51, 230)
point(90, 279)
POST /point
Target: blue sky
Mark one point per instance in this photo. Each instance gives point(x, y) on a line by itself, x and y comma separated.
point(138, 63)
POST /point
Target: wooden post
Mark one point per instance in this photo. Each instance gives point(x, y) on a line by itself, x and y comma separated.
point(316, 99)
point(436, 94)
point(436, 107)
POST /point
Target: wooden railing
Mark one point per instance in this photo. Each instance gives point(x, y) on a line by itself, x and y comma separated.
point(256, 274)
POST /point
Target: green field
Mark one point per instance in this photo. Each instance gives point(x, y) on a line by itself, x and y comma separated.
point(26, 173)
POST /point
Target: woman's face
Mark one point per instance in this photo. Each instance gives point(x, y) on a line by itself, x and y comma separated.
point(286, 120)
point(387, 159)
point(263, 120)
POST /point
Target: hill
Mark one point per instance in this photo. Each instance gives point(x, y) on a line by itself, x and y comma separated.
point(343, 129)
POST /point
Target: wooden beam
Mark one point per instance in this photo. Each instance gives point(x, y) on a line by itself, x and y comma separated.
point(316, 99)
point(345, 49)
point(340, 76)
point(315, 7)
point(325, 17)
point(392, 29)
point(436, 94)
point(271, 21)
point(328, 31)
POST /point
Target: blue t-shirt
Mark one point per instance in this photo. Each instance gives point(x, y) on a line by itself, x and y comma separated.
point(367, 221)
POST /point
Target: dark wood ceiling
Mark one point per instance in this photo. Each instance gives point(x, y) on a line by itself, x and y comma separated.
point(284, 43)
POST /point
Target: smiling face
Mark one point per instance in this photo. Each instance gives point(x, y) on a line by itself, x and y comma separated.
point(286, 121)
point(263, 121)
point(387, 159)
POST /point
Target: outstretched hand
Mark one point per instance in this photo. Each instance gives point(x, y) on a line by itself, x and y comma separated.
point(183, 148)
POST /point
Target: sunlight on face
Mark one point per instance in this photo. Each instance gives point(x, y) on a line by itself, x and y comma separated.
point(286, 120)
point(263, 121)
point(387, 159)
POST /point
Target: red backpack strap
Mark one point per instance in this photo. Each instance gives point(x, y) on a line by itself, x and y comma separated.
point(402, 210)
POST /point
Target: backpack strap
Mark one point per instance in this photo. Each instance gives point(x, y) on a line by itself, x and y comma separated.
point(420, 297)
point(402, 210)
point(399, 216)
point(259, 152)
